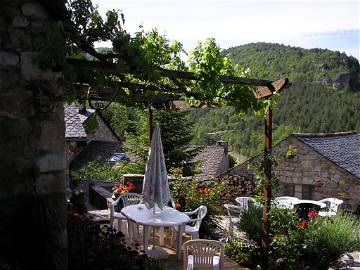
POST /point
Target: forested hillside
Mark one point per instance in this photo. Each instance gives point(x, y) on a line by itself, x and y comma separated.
point(272, 61)
point(324, 97)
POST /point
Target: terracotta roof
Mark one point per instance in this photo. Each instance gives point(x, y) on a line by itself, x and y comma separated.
point(211, 157)
point(341, 148)
point(73, 124)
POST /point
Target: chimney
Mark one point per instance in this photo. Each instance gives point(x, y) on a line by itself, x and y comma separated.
point(224, 144)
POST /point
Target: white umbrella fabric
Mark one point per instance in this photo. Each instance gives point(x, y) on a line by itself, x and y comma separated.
point(156, 189)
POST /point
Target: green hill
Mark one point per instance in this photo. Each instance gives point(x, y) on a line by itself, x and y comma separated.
point(273, 61)
point(324, 96)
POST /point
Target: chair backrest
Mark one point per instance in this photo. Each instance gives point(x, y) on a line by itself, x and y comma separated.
point(285, 201)
point(286, 198)
point(232, 209)
point(203, 252)
point(172, 202)
point(201, 213)
point(130, 198)
point(332, 204)
point(244, 201)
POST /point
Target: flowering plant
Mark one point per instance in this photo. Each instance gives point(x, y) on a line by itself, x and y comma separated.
point(291, 151)
point(122, 188)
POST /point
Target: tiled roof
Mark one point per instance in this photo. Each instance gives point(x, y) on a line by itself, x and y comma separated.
point(85, 115)
point(341, 148)
point(210, 157)
point(73, 124)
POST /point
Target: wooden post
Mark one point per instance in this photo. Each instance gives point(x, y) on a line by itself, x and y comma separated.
point(265, 225)
point(150, 124)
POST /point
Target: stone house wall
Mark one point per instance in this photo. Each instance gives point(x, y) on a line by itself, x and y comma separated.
point(325, 178)
point(32, 152)
point(309, 174)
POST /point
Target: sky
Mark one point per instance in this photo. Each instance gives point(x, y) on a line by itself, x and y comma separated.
point(333, 25)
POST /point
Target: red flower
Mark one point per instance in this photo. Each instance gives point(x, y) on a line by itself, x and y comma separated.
point(120, 188)
point(177, 205)
point(312, 214)
point(129, 186)
point(204, 190)
point(302, 223)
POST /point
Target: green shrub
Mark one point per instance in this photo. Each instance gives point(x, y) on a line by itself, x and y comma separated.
point(244, 254)
point(191, 194)
point(95, 171)
point(250, 223)
point(94, 247)
point(330, 237)
point(285, 234)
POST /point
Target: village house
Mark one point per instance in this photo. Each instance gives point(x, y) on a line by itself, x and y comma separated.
point(89, 137)
point(325, 165)
point(213, 159)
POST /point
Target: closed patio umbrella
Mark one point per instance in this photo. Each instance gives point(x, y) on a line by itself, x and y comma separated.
point(156, 189)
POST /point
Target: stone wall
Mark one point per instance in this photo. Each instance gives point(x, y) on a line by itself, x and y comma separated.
point(32, 154)
point(322, 176)
point(102, 133)
point(310, 168)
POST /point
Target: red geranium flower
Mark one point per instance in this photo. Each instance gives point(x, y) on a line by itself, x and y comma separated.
point(120, 188)
point(312, 214)
point(129, 186)
point(302, 223)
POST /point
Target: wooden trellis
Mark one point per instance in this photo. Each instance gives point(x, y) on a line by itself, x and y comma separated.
point(160, 95)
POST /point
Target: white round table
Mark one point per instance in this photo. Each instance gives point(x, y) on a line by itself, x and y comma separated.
point(168, 217)
point(321, 204)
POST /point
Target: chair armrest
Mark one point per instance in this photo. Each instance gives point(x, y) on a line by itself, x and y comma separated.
point(190, 213)
point(194, 219)
point(117, 200)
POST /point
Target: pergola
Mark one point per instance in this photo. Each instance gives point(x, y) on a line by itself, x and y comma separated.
point(164, 96)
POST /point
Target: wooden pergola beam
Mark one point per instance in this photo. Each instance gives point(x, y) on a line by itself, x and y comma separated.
point(111, 93)
point(172, 74)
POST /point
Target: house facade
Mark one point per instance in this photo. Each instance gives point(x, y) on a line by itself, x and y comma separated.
point(325, 165)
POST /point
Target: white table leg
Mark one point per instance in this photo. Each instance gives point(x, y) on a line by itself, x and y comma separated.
point(179, 240)
point(134, 230)
point(146, 238)
point(161, 232)
point(130, 231)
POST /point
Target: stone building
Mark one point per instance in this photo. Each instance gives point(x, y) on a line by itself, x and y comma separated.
point(89, 137)
point(214, 160)
point(32, 144)
point(326, 165)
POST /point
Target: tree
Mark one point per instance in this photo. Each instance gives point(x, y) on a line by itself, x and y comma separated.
point(176, 136)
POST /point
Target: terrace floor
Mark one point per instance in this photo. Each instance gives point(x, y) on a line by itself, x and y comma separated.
point(171, 263)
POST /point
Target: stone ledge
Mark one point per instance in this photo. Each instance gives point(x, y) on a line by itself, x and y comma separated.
point(98, 196)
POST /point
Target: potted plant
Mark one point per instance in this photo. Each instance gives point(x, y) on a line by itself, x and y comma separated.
point(122, 188)
point(291, 152)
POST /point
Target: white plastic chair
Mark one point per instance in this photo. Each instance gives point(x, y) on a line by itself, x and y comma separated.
point(193, 230)
point(233, 212)
point(244, 202)
point(127, 199)
point(331, 208)
point(203, 252)
point(285, 202)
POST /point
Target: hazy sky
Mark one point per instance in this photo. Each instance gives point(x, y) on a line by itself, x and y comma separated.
point(334, 25)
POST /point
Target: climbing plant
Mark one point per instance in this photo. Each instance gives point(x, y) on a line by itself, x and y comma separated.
point(140, 58)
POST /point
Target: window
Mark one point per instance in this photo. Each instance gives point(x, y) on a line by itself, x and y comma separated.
point(307, 191)
point(289, 189)
point(116, 157)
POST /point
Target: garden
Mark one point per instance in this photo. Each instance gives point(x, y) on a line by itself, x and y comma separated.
point(311, 243)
